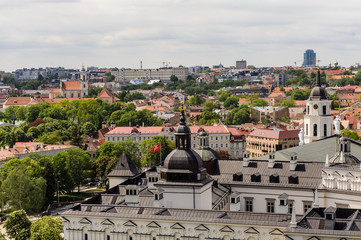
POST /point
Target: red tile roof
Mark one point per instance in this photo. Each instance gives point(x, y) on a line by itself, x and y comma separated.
point(71, 85)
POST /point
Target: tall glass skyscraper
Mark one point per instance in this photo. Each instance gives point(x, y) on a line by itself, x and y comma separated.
point(309, 58)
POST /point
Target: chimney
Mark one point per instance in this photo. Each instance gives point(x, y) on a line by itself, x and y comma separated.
point(293, 161)
point(327, 163)
point(271, 160)
point(158, 198)
point(245, 158)
point(235, 199)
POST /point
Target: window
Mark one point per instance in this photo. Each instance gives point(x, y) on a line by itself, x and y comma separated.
point(130, 238)
point(306, 129)
point(293, 179)
point(290, 206)
point(324, 110)
point(271, 206)
point(275, 178)
point(282, 202)
point(108, 237)
point(308, 109)
point(325, 130)
point(249, 204)
point(306, 206)
point(315, 130)
point(256, 177)
point(86, 236)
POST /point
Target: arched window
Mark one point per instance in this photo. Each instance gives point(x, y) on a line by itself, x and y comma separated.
point(306, 129)
point(325, 130)
point(315, 130)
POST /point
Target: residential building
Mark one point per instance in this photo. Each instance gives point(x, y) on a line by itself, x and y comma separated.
point(276, 97)
point(19, 101)
point(272, 113)
point(309, 58)
point(163, 74)
point(220, 137)
point(318, 119)
point(107, 96)
point(263, 141)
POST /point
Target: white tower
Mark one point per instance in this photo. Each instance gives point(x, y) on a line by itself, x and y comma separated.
point(318, 119)
point(83, 82)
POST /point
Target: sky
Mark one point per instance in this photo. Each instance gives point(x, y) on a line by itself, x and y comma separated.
point(121, 33)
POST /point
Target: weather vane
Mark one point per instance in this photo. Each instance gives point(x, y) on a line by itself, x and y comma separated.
point(182, 107)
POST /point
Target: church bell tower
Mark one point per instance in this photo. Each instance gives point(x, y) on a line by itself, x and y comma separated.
point(318, 119)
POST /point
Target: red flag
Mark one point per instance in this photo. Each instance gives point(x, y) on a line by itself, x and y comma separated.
point(156, 148)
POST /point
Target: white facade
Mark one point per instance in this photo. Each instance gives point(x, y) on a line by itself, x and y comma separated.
point(318, 120)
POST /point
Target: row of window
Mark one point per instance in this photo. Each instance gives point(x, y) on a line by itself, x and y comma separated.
point(272, 179)
point(270, 205)
point(315, 130)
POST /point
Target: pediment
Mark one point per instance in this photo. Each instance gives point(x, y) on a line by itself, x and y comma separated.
point(153, 225)
point(251, 230)
point(107, 222)
point(226, 229)
point(201, 228)
point(276, 232)
point(313, 238)
point(130, 224)
point(177, 226)
point(85, 221)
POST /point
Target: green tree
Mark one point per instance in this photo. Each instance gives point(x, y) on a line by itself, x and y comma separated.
point(47, 228)
point(351, 134)
point(52, 138)
point(266, 120)
point(288, 103)
point(78, 164)
point(208, 118)
point(251, 67)
point(89, 129)
point(173, 78)
point(223, 96)
point(49, 177)
point(23, 191)
point(102, 167)
point(195, 100)
point(259, 103)
point(231, 102)
point(18, 225)
point(238, 115)
point(208, 106)
point(150, 158)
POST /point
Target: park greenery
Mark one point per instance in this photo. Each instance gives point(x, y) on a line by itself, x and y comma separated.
point(54, 123)
point(19, 227)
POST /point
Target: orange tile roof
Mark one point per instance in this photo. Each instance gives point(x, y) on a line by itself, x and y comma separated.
point(55, 90)
point(71, 85)
point(276, 94)
point(18, 101)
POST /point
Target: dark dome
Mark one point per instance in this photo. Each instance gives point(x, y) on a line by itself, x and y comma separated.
point(318, 93)
point(183, 159)
point(183, 129)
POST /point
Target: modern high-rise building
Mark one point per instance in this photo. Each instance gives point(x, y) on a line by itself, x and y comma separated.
point(309, 58)
point(241, 64)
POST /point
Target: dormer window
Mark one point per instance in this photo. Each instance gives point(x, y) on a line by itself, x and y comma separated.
point(158, 196)
point(256, 177)
point(235, 199)
point(293, 179)
point(131, 192)
point(238, 177)
point(275, 178)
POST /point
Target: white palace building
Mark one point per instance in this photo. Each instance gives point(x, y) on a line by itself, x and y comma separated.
point(308, 192)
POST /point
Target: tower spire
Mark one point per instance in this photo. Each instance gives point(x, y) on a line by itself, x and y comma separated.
point(318, 78)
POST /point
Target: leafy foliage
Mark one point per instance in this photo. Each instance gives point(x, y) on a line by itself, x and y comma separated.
point(47, 228)
point(238, 115)
point(150, 158)
point(17, 225)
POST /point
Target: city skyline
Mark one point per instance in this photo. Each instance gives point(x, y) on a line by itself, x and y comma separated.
point(72, 33)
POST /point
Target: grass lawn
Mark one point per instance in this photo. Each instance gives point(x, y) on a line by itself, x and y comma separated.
point(71, 197)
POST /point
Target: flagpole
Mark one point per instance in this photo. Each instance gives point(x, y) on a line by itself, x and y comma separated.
point(160, 155)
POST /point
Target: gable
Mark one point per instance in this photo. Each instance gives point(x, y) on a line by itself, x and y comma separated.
point(226, 229)
point(177, 226)
point(130, 224)
point(85, 221)
point(153, 225)
point(201, 228)
point(276, 232)
point(107, 222)
point(251, 230)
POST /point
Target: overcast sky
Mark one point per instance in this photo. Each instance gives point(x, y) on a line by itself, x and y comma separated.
point(121, 33)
